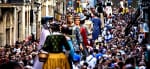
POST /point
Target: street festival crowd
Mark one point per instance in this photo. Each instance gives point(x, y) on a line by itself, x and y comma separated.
point(106, 47)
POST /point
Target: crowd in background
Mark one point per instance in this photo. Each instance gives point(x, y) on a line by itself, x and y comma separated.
point(113, 50)
point(22, 52)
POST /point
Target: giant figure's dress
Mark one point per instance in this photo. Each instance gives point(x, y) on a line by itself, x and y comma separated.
point(54, 46)
point(96, 28)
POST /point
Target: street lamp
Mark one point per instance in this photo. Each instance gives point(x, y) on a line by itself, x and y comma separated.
point(37, 5)
point(37, 10)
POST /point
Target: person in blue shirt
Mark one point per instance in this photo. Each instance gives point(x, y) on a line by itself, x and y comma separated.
point(76, 60)
point(98, 55)
point(76, 57)
point(96, 27)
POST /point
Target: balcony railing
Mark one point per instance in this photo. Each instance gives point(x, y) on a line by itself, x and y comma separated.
point(15, 1)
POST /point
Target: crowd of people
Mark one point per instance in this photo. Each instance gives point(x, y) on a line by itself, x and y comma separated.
point(22, 52)
point(112, 49)
point(92, 46)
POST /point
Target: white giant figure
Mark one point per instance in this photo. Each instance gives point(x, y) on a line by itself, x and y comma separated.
point(122, 4)
point(44, 33)
point(108, 8)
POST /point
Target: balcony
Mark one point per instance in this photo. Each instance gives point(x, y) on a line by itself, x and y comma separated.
point(14, 1)
point(6, 3)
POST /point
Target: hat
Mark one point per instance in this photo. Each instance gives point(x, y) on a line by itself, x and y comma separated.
point(46, 19)
point(82, 16)
point(55, 24)
point(76, 58)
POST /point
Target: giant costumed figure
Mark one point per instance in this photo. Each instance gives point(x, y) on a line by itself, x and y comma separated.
point(44, 33)
point(56, 58)
point(108, 8)
point(123, 7)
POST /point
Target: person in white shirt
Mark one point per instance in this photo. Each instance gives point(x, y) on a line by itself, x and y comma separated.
point(142, 65)
point(83, 60)
point(91, 60)
point(18, 50)
point(140, 38)
point(76, 66)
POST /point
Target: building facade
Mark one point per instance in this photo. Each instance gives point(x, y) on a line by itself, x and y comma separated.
point(54, 8)
point(14, 21)
point(20, 18)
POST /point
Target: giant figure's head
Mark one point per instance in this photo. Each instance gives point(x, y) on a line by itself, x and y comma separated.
point(45, 21)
